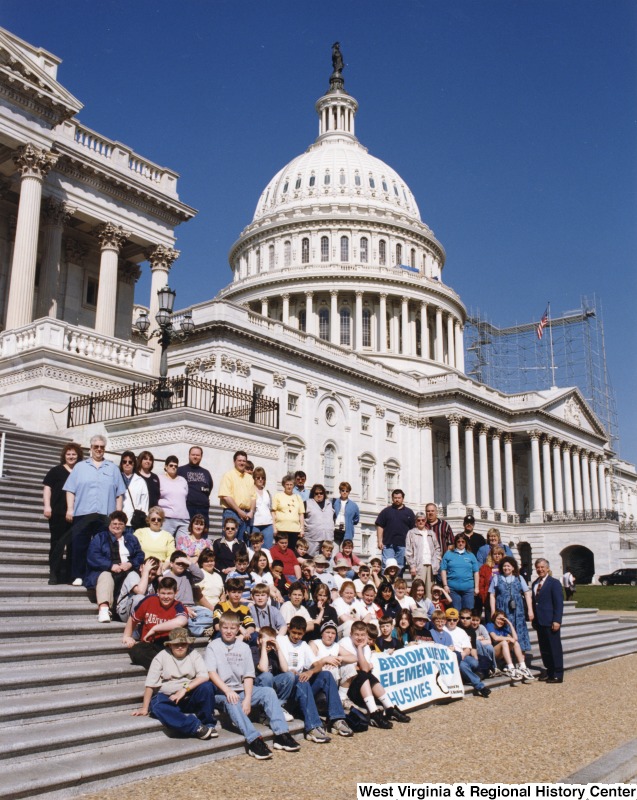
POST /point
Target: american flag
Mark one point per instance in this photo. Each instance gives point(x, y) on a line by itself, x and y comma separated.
point(543, 323)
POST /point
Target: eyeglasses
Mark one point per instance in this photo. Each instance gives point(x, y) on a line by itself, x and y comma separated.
point(465, 617)
point(127, 461)
point(319, 494)
point(155, 519)
point(98, 447)
point(172, 464)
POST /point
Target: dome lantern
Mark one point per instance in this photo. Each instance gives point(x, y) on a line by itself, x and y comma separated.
point(337, 108)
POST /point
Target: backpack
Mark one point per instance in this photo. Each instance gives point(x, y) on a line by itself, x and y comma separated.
point(357, 721)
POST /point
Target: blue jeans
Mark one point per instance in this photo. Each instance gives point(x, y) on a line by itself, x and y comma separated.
point(283, 684)
point(83, 529)
point(486, 656)
point(268, 534)
point(306, 692)
point(460, 599)
point(202, 621)
point(244, 527)
point(185, 717)
point(468, 665)
point(394, 552)
point(261, 696)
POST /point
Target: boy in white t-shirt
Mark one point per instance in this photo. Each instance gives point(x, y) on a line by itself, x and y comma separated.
point(294, 606)
point(311, 681)
point(363, 688)
point(364, 577)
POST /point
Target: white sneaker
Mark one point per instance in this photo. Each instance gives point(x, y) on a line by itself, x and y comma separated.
point(513, 674)
point(287, 716)
point(527, 676)
point(104, 614)
point(77, 582)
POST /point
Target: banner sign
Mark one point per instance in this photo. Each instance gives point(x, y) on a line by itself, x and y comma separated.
point(419, 674)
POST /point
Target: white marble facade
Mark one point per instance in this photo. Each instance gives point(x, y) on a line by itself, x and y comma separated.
point(337, 308)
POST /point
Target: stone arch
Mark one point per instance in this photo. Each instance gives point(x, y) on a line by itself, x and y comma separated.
point(580, 561)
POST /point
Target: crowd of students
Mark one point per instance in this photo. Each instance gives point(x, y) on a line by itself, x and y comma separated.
point(292, 625)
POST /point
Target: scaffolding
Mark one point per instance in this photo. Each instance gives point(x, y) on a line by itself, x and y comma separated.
point(571, 353)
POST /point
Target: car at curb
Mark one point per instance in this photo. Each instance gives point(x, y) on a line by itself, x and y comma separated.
point(620, 576)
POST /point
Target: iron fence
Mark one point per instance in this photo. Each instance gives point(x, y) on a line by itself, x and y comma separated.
point(140, 399)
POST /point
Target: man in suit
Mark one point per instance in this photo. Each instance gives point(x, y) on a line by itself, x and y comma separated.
point(548, 605)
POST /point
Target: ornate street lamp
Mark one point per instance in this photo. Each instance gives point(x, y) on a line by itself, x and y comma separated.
point(166, 335)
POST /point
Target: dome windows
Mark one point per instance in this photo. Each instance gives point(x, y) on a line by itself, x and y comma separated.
point(399, 254)
point(382, 252)
point(287, 254)
point(364, 249)
point(271, 257)
point(341, 178)
point(346, 327)
point(324, 324)
point(312, 181)
point(385, 189)
point(367, 327)
point(357, 179)
point(297, 185)
point(325, 248)
point(372, 182)
point(327, 179)
point(396, 190)
point(286, 186)
point(344, 248)
point(412, 258)
point(305, 250)
point(303, 320)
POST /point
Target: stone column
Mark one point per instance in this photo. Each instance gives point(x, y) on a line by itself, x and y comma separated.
point(404, 326)
point(601, 479)
point(568, 479)
point(536, 511)
point(161, 259)
point(459, 339)
point(33, 165)
point(428, 462)
point(382, 324)
point(264, 306)
point(358, 333)
point(55, 216)
point(548, 477)
point(309, 314)
point(577, 480)
point(438, 342)
point(609, 493)
point(455, 506)
point(586, 486)
point(424, 331)
point(111, 238)
point(557, 476)
point(469, 463)
point(286, 309)
point(592, 465)
point(485, 504)
point(497, 471)
point(508, 473)
point(334, 318)
point(451, 345)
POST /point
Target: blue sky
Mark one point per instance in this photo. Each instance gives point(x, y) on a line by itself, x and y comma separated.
point(513, 122)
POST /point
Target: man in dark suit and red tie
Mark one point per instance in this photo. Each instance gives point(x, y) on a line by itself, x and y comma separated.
point(548, 605)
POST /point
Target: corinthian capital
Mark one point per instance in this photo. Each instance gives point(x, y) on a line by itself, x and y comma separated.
point(33, 162)
point(56, 213)
point(111, 237)
point(161, 257)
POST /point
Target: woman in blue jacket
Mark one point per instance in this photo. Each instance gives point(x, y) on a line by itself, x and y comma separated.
point(112, 555)
point(346, 514)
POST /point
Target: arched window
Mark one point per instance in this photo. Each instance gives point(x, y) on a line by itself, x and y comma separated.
point(382, 252)
point(326, 179)
point(329, 471)
point(324, 324)
point(346, 327)
point(305, 250)
point(384, 185)
point(412, 258)
point(258, 259)
point(302, 320)
point(372, 183)
point(364, 249)
point(367, 327)
point(388, 330)
point(344, 248)
point(271, 256)
point(287, 254)
point(357, 179)
point(312, 180)
point(399, 254)
point(286, 186)
point(297, 185)
point(418, 337)
point(342, 177)
point(325, 248)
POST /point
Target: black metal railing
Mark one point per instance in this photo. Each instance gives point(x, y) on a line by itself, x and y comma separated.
point(580, 516)
point(139, 399)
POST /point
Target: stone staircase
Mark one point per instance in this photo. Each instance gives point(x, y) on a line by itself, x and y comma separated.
point(67, 686)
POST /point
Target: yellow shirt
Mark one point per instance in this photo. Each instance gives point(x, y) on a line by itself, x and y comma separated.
point(160, 545)
point(287, 509)
point(239, 486)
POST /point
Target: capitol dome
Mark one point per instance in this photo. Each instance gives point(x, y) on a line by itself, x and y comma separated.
point(337, 250)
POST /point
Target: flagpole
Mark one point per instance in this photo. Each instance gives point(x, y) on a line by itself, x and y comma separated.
point(551, 340)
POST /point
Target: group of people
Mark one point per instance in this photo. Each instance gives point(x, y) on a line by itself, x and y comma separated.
point(291, 613)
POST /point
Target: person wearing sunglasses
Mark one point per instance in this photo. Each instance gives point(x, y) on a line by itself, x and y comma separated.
point(154, 540)
point(136, 497)
point(94, 489)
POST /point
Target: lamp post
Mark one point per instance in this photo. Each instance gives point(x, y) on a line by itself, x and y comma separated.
point(166, 335)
